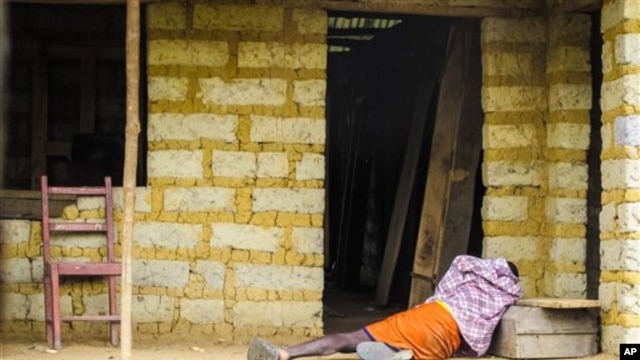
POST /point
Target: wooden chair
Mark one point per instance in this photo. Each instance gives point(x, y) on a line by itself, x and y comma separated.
point(54, 269)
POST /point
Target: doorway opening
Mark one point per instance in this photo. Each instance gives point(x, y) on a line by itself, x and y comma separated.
point(384, 83)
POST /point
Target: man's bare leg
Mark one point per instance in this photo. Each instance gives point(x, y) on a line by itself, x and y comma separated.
point(326, 345)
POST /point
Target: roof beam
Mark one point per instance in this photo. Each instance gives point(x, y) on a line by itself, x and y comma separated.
point(569, 6)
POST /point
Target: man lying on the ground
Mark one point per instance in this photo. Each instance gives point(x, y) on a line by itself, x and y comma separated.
point(458, 319)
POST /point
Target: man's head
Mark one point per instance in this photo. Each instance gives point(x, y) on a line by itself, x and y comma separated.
point(514, 268)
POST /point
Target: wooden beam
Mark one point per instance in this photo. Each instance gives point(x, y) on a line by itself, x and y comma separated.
point(396, 7)
point(569, 6)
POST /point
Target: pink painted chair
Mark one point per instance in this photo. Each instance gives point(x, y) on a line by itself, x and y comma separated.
point(54, 269)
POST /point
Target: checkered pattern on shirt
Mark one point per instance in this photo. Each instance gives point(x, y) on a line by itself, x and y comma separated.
point(478, 292)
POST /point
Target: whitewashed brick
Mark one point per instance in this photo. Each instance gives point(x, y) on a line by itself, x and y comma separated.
point(504, 173)
point(620, 174)
point(96, 304)
point(243, 91)
point(151, 308)
point(310, 21)
point(615, 12)
point(565, 175)
point(150, 234)
point(608, 217)
point(625, 90)
point(629, 217)
point(565, 250)
point(142, 202)
point(607, 295)
point(566, 210)
point(169, 273)
point(507, 63)
point(14, 306)
point(248, 237)
point(273, 165)
point(82, 240)
point(307, 201)
point(37, 269)
point(565, 285)
point(614, 335)
point(282, 55)
point(570, 97)
point(15, 231)
point(237, 17)
point(309, 92)
point(606, 134)
point(287, 130)
point(627, 130)
point(187, 52)
point(202, 311)
point(513, 98)
point(628, 297)
point(516, 30)
point(234, 164)
point(15, 271)
point(196, 199)
point(307, 240)
point(505, 208)
point(508, 136)
point(312, 166)
point(568, 136)
point(620, 255)
point(167, 88)
point(288, 314)
point(607, 57)
point(213, 273)
point(172, 126)
point(514, 248)
point(36, 306)
point(90, 202)
point(175, 163)
point(569, 58)
point(627, 49)
point(166, 15)
point(279, 277)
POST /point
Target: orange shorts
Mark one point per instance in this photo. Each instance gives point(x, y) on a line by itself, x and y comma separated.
point(428, 329)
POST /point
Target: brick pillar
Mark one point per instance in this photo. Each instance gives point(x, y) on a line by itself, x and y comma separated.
point(619, 220)
point(567, 140)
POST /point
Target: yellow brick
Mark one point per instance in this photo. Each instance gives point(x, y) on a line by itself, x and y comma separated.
point(310, 21)
point(70, 212)
point(230, 17)
point(188, 52)
point(240, 255)
point(169, 15)
point(256, 294)
point(294, 258)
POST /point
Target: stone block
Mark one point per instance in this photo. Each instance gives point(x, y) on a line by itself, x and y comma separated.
point(616, 12)
point(213, 273)
point(607, 57)
point(190, 127)
point(568, 175)
point(508, 136)
point(505, 173)
point(312, 166)
point(287, 130)
point(307, 240)
point(278, 314)
point(606, 134)
point(14, 306)
point(166, 15)
point(514, 30)
point(257, 18)
point(620, 255)
point(310, 21)
point(187, 53)
point(238, 164)
point(273, 165)
point(197, 199)
point(142, 203)
point(246, 237)
point(202, 311)
point(279, 277)
point(627, 130)
point(507, 63)
point(282, 55)
point(304, 201)
point(629, 217)
point(614, 335)
point(309, 92)
point(15, 231)
point(505, 208)
point(162, 163)
point(151, 234)
point(79, 240)
point(627, 49)
point(569, 250)
point(15, 271)
point(621, 91)
point(243, 91)
point(151, 308)
point(167, 88)
point(570, 97)
point(165, 273)
point(566, 210)
point(514, 248)
point(566, 285)
point(513, 98)
point(36, 306)
point(620, 174)
point(569, 59)
point(608, 217)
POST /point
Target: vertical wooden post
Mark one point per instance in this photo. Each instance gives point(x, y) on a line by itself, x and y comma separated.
point(130, 165)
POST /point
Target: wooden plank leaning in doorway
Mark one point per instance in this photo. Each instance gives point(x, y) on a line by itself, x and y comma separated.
point(447, 207)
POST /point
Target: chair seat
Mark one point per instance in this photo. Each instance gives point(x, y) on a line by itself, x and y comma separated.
point(84, 269)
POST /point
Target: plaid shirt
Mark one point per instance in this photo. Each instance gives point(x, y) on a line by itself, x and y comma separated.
point(478, 292)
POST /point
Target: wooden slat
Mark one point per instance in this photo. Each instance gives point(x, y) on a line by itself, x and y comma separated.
point(555, 303)
point(91, 318)
point(567, 6)
point(403, 195)
point(84, 269)
point(85, 190)
point(443, 150)
point(88, 227)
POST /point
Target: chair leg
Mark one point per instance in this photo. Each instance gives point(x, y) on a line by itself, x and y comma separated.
point(114, 326)
point(55, 300)
point(48, 307)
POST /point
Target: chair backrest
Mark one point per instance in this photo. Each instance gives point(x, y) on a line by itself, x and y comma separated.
point(49, 227)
